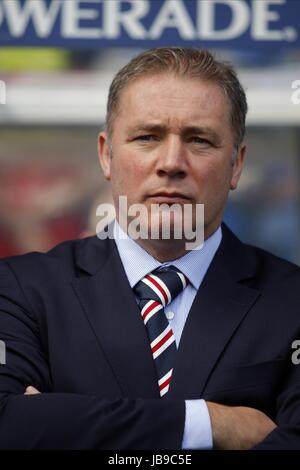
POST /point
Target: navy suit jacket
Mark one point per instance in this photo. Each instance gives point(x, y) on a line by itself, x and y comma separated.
point(73, 330)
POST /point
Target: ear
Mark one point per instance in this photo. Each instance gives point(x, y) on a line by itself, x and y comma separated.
point(238, 167)
point(104, 154)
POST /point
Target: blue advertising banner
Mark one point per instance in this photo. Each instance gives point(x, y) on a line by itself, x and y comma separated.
point(246, 24)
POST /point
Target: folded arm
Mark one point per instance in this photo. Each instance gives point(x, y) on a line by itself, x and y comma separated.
point(71, 421)
point(65, 420)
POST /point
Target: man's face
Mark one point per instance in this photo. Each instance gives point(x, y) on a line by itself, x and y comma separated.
point(172, 143)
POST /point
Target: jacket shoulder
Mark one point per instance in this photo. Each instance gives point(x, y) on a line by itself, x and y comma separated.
point(251, 262)
point(272, 264)
point(63, 259)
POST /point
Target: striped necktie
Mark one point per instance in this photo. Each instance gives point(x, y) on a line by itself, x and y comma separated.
point(154, 292)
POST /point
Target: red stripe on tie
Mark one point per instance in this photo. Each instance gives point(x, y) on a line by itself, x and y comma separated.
point(150, 308)
point(165, 383)
point(159, 288)
point(162, 341)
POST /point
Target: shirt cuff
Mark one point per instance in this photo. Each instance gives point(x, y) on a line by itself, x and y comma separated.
point(197, 429)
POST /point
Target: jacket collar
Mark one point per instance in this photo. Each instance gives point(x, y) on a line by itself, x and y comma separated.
point(235, 257)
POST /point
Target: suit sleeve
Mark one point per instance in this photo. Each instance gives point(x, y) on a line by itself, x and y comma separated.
point(287, 435)
point(67, 421)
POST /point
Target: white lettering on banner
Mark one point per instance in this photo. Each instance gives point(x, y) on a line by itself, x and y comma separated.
point(207, 16)
point(105, 19)
point(72, 13)
point(114, 18)
point(262, 16)
point(173, 14)
point(18, 16)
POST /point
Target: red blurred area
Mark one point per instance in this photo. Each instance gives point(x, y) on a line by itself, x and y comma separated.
point(40, 205)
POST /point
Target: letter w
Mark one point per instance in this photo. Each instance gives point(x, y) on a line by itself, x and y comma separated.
point(19, 15)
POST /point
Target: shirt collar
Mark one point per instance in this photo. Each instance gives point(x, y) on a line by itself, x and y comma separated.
point(138, 262)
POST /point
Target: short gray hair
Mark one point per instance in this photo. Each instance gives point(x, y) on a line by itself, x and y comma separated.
point(183, 62)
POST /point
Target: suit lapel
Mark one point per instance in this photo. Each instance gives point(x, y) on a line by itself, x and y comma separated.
point(219, 307)
point(114, 316)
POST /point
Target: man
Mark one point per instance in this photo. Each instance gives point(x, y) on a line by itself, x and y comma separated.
point(84, 367)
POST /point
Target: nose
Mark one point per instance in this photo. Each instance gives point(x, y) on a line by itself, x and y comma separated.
point(171, 160)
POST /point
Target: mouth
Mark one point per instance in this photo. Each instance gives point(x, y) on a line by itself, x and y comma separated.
point(169, 197)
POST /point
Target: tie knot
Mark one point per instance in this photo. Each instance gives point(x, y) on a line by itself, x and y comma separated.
point(162, 285)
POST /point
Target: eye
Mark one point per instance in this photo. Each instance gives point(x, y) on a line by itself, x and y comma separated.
point(146, 138)
point(199, 140)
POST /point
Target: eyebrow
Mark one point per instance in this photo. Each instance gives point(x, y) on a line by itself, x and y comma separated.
point(185, 131)
point(148, 128)
point(200, 130)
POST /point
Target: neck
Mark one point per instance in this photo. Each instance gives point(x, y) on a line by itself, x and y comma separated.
point(164, 250)
point(170, 249)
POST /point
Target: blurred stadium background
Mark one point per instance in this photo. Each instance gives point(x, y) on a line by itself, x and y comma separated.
point(50, 180)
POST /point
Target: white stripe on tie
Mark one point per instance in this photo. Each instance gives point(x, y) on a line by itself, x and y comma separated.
point(155, 289)
point(165, 377)
point(165, 345)
point(152, 312)
point(165, 389)
point(183, 279)
point(161, 336)
point(163, 286)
